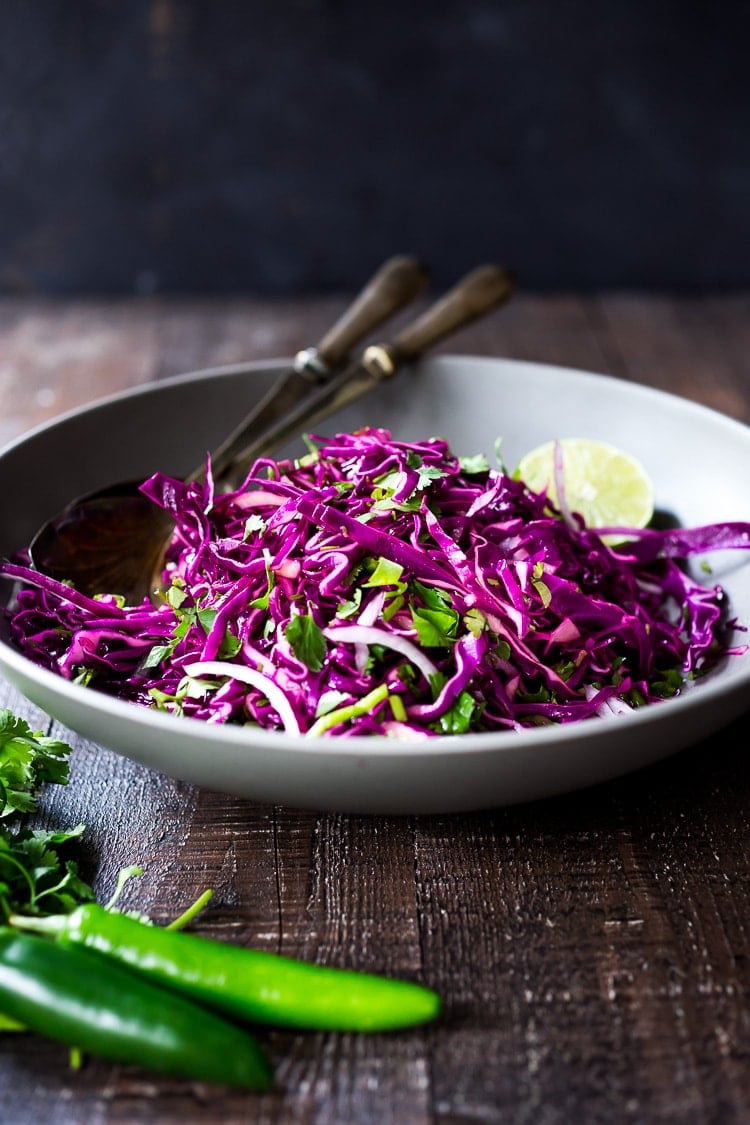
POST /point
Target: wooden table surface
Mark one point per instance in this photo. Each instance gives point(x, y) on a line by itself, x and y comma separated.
point(593, 950)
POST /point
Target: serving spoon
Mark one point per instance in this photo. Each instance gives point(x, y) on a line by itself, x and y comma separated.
point(114, 540)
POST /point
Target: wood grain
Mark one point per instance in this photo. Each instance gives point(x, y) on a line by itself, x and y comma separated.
point(593, 950)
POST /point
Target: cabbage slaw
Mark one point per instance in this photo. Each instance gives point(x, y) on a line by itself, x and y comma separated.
point(383, 587)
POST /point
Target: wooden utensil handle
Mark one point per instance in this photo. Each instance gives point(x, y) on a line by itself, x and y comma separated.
point(473, 296)
point(476, 294)
point(398, 282)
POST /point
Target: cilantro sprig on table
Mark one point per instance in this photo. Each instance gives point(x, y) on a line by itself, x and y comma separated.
point(35, 875)
point(27, 758)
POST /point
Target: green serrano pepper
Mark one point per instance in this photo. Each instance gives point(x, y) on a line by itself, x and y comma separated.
point(104, 1009)
point(252, 985)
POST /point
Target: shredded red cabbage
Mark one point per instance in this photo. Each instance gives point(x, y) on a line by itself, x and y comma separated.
point(389, 588)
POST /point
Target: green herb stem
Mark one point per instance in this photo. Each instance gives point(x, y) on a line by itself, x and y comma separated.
point(187, 916)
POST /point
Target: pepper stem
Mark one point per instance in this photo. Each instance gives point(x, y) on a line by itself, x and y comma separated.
point(53, 924)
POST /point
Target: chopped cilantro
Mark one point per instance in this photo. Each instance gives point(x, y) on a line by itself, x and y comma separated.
point(253, 523)
point(436, 628)
point(457, 719)
point(474, 465)
point(307, 641)
point(475, 621)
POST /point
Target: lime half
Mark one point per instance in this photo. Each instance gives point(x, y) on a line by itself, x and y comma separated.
point(607, 487)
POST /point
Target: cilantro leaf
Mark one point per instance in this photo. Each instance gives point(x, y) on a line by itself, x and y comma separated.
point(432, 596)
point(307, 641)
point(391, 482)
point(457, 720)
point(475, 621)
point(427, 474)
point(436, 628)
point(474, 465)
point(207, 618)
point(155, 656)
point(35, 878)
point(27, 758)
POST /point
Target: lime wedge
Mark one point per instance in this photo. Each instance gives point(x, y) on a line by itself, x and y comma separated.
point(607, 487)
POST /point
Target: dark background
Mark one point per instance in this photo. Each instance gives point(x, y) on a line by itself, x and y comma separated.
point(288, 146)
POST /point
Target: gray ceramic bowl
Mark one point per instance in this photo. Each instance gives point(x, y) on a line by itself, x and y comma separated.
point(698, 459)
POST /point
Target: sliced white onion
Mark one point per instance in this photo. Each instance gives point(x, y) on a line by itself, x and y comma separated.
point(369, 635)
point(272, 692)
